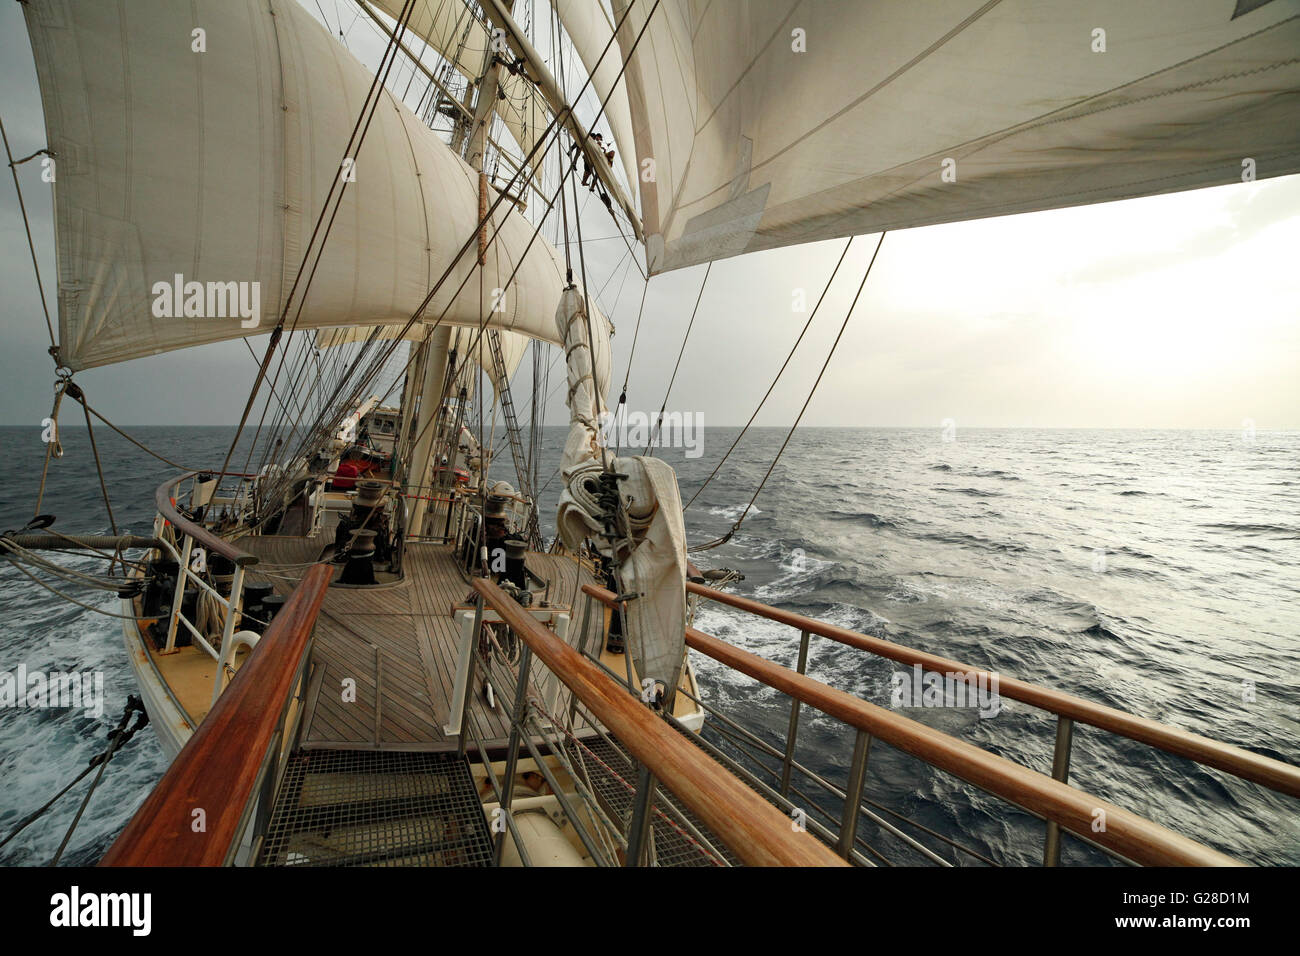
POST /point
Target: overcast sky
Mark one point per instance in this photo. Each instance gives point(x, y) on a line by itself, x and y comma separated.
point(1172, 311)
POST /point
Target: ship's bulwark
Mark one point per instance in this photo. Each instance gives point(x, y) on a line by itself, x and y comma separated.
point(1032, 552)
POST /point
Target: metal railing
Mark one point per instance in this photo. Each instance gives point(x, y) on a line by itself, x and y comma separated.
point(748, 825)
point(187, 555)
point(1125, 834)
point(1068, 710)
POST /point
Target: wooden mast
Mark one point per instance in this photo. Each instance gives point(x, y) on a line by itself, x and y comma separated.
point(433, 381)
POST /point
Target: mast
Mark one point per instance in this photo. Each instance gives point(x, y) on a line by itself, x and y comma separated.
point(434, 379)
point(484, 110)
point(425, 403)
point(467, 115)
point(499, 13)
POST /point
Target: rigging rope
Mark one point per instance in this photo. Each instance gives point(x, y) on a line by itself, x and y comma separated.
point(71, 575)
point(69, 598)
point(367, 114)
point(767, 394)
point(53, 449)
point(138, 444)
point(659, 421)
point(117, 739)
point(31, 244)
point(120, 735)
point(553, 127)
point(74, 390)
point(635, 334)
point(708, 545)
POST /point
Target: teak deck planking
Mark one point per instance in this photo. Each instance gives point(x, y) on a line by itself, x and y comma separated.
point(408, 627)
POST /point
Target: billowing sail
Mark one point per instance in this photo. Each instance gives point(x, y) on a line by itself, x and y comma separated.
point(350, 335)
point(776, 122)
point(195, 144)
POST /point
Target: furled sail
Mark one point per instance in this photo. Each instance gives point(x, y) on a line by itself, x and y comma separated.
point(188, 183)
point(649, 550)
point(776, 122)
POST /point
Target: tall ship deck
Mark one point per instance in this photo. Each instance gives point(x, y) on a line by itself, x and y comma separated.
point(358, 636)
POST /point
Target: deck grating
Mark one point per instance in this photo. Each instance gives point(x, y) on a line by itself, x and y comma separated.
point(377, 808)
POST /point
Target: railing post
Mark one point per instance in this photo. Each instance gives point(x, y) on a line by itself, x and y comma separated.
point(265, 794)
point(228, 630)
point(586, 623)
point(793, 731)
point(1061, 772)
point(512, 750)
point(182, 576)
point(464, 679)
point(638, 830)
point(581, 644)
point(853, 795)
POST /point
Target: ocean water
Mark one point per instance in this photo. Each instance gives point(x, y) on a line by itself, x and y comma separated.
point(1153, 571)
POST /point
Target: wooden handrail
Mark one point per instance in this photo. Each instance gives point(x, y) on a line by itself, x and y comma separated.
point(199, 534)
point(750, 826)
point(1237, 761)
point(61, 542)
point(1125, 832)
point(217, 769)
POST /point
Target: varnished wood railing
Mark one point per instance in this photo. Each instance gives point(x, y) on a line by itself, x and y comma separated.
point(1125, 833)
point(195, 815)
point(198, 534)
point(1257, 768)
point(752, 828)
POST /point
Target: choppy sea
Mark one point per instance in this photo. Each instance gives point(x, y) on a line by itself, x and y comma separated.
point(1153, 571)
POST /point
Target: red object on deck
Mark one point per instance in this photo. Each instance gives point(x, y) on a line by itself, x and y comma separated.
point(345, 477)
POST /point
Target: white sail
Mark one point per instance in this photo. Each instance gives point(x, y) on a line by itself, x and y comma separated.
point(464, 340)
point(213, 166)
point(776, 122)
point(350, 335)
point(466, 43)
point(467, 344)
point(590, 30)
